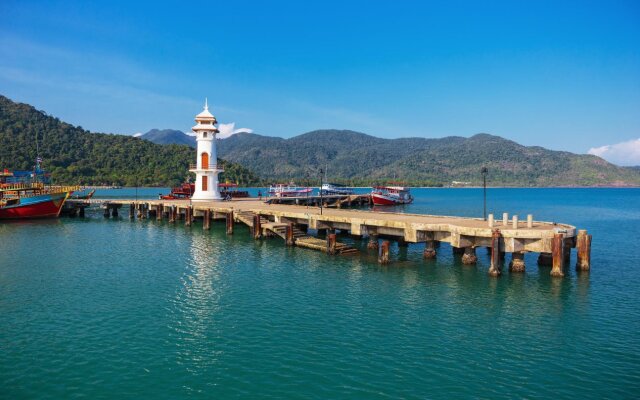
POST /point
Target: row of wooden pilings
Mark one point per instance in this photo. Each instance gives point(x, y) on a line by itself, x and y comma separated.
point(557, 259)
point(560, 255)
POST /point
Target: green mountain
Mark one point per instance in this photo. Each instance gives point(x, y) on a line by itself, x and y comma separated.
point(76, 156)
point(360, 159)
point(169, 136)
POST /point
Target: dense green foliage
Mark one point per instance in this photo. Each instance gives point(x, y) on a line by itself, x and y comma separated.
point(76, 156)
point(359, 159)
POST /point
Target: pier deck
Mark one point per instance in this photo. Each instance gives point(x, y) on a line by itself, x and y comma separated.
point(503, 235)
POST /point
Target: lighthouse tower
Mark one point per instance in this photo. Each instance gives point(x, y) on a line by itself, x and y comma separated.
point(206, 168)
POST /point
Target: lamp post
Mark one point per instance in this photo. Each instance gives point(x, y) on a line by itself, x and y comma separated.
point(484, 185)
point(308, 183)
point(321, 172)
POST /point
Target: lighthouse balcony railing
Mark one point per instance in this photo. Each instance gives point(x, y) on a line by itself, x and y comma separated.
point(217, 167)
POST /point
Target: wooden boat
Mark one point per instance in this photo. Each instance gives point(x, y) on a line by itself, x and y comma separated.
point(25, 194)
point(329, 189)
point(231, 189)
point(391, 195)
point(185, 191)
point(288, 190)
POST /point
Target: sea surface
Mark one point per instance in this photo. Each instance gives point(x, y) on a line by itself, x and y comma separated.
point(100, 308)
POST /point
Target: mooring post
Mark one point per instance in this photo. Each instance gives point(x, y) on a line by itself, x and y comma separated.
point(131, 211)
point(584, 251)
point(514, 222)
point(257, 227)
point(230, 223)
point(557, 250)
point(373, 242)
point(495, 269)
point(383, 258)
point(331, 243)
point(469, 257)
point(517, 262)
point(530, 221)
point(206, 220)
point(429, 250)
point(289, 240)
point(505, 219)
point(490, 221)
point(188, 216)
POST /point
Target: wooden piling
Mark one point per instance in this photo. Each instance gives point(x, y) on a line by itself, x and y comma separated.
point(429, 250)
point(517, 262)
point(373, 242)
point(557, 250)
point(496, 268)
point(383, 258)
point(132, 211)
point(159, 212)
point(229, 220)
point(584, 251)
point(469, 257)
point(331, 243)
point(187, 216)
point(114, 212)
point(206, 220)
point(257, 227)
point(107, 212)
point(289, 234)
point(173, 214)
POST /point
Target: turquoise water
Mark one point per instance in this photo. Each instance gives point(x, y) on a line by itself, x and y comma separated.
point(102, 308)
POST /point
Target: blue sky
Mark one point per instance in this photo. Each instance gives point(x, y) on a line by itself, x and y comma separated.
point(563, 75)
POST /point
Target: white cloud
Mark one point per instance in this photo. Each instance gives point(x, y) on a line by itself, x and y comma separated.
point(229, 129)
point(138, 134)
point(623, 153)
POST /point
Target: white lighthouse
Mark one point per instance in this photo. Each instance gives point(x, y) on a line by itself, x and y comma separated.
point(206, 168)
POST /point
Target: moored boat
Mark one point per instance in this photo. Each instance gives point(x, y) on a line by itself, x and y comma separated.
point(186, 190)
point(25, 194)
point(391, 195)
point(288, 190)
point(332, 189)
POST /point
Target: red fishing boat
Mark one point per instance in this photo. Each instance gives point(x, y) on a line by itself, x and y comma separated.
point(25, 194)
point(391, 195)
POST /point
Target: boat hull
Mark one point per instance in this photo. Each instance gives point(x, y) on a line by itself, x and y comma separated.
point(382, 200)
point(40, 206)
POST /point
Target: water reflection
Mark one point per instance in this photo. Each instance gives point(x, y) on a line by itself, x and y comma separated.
point(197, 303)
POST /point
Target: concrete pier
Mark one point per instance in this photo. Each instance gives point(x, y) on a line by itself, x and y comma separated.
point(463, 234)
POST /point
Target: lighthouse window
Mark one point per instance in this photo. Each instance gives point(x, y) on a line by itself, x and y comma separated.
point(204, 135)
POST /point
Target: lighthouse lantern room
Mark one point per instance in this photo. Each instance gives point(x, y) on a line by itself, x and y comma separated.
point(206, 167)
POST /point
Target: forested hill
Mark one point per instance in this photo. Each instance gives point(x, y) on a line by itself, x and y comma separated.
point(77, 156)
point(360, 159)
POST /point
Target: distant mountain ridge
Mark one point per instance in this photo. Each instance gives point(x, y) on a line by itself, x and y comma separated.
point(168, 136)
point(357, 158)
